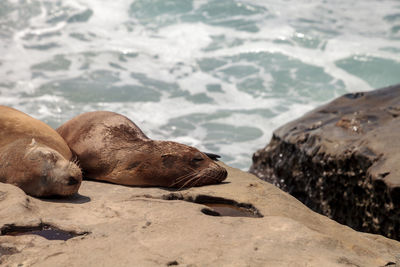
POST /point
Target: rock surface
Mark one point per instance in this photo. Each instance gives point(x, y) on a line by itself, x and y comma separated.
point(342, 160)
point(130, 226)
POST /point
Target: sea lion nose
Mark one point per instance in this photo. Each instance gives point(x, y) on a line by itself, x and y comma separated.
point(72, 181)
point(222, 174)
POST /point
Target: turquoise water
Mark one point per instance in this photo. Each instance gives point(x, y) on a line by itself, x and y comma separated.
point(220, 75)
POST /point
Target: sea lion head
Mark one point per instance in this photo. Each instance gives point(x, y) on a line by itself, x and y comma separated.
point(171, 164)
point(42, 171)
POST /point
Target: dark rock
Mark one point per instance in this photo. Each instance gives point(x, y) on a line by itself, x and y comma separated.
point(342, 160)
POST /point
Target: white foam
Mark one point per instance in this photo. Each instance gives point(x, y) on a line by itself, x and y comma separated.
point(169, 54)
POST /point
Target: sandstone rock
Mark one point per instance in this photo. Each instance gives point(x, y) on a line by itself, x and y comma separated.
point(130, 226)
point(342, 160)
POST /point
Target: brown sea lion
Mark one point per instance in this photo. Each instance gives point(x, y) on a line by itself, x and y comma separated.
point(34, 157)
point(112, 148)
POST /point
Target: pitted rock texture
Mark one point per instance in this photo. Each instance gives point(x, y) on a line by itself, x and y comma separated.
point(342, 160)
point(131, 226)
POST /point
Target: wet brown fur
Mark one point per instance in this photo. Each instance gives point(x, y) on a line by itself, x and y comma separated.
point(112, 148)
point(34, 157)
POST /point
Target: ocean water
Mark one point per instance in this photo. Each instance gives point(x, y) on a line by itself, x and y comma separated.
point(220, 75)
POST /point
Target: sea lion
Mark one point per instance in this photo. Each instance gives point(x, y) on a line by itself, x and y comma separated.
point(110, 147)
point(34, 157)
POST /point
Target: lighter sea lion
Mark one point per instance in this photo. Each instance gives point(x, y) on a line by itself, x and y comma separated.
point(34, 157)
point(110, 147)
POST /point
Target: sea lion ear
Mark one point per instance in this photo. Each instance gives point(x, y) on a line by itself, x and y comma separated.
point(212, 156)
point(33, 143)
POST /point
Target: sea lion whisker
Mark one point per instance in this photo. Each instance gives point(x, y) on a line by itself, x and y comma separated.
point(193, 172)
point(175, 182)
point(75, 162)
point(214, 178)
point(184, 175)
point(198, 178)
point(182, 178)
point(197, 181)
point(187, 182)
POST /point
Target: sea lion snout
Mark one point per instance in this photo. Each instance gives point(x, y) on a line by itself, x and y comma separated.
point(63, 181)
point(67, 173)
point(223, 174)
point(52, 174)
point(215, 174)
point(72, 181)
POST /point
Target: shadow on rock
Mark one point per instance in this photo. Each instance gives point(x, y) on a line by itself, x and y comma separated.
point(74, 199)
